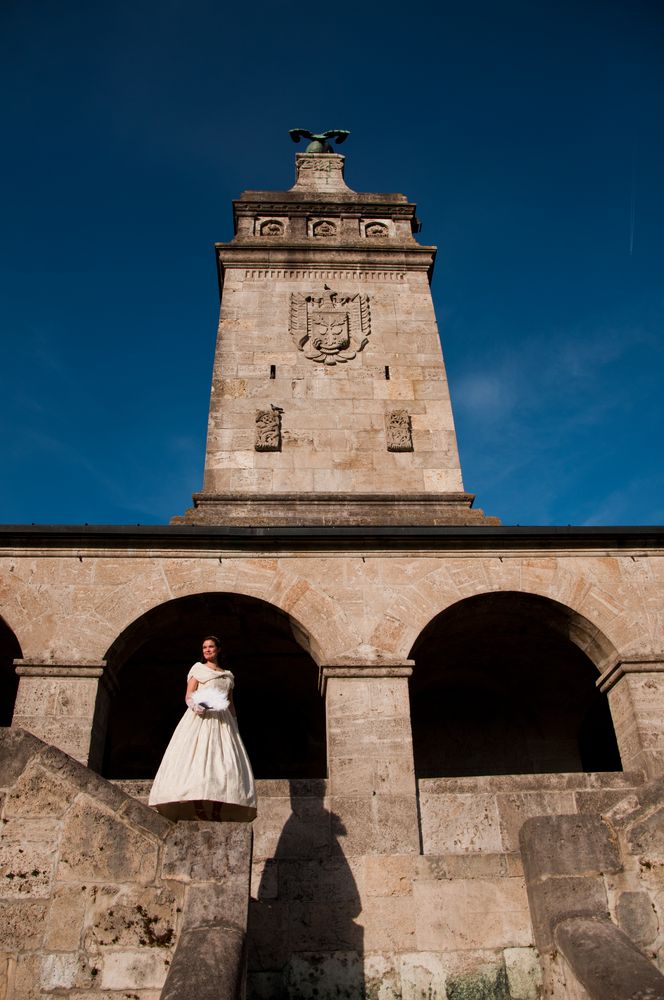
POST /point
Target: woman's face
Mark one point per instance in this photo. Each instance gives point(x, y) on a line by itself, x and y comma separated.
point(210, 650)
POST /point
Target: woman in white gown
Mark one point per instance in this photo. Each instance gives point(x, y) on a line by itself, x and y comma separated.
point(205, 772)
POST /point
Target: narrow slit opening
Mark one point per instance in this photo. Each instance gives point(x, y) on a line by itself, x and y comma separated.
point(387, 372)
point(273, 371)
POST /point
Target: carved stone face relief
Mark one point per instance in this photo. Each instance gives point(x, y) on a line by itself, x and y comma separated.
point(376, 230)
point(268, 429)
point(330, 328)
point(271, 227)
point(324, 228)
point(399, 431)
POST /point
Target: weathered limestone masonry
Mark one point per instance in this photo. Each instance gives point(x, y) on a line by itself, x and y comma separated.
point(592, 882)
point(59, 701)
point(457, 727)
point(99, 892)
point(329, 402)
point(375, 876)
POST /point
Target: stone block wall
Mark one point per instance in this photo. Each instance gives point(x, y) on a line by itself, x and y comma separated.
point(334, 436)
point(596, 892)
point(96, 889)
point(332, 915)
point(483, 815)
point(357, 878)
point(331, 326)
point(336, 916)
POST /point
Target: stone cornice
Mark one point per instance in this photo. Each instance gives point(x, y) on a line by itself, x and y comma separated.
point(354, 256)
point(342, 257)
point(70, 540)
point(334, 509)
point(331, 205)
point(292, 201)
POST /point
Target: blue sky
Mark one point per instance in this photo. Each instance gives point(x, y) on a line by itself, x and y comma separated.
point(529, 134)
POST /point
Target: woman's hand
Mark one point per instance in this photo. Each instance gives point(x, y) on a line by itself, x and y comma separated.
point(196, 709)
point(191, 687)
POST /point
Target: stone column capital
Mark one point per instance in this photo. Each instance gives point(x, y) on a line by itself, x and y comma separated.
point(629, 665)
point(345, 669)
point(58, 701)
point(66, 668)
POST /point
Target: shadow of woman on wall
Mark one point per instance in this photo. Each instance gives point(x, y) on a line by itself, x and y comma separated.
point(303, 937)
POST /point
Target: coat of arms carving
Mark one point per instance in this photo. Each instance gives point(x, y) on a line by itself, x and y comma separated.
point(330, 328)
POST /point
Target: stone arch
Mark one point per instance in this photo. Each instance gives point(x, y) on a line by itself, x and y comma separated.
point(601, 620)
point(140, 586)
point(10, 650)
point(276, 685)
point(504, 682)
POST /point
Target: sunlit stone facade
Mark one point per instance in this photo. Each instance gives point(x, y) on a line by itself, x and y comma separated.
point(414, 681)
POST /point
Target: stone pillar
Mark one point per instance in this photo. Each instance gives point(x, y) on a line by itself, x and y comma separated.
point(635, 689)
point(372, 786)
point(60, 704)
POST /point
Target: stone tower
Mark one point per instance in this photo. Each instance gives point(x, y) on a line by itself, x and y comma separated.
point(330, 403)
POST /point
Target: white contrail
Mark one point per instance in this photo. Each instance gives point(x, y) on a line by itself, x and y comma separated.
point(632, 205)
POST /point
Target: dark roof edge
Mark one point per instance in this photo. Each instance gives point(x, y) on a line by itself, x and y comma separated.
point(407, 536)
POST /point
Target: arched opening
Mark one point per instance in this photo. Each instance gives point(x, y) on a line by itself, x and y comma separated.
point(280, 712)
point(502, 685)
point(10, 650)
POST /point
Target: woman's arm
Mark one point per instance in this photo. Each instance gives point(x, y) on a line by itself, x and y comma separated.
point(231, 704)
point(192, 684)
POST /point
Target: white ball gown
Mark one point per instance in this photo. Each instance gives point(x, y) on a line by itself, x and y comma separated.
point(205, 772)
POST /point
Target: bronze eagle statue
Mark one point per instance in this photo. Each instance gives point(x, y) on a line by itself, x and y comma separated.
point(319, 143)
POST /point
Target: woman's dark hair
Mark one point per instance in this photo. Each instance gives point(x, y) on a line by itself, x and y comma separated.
point(212, 638)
